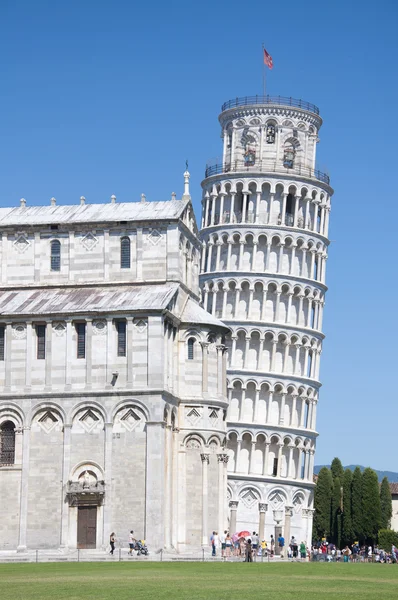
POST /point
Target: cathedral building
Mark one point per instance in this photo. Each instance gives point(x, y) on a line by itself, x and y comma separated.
point(265, 221)
point(112, 378)
point(158, 378)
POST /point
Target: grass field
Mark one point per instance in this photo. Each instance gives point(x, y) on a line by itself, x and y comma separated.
point(196, 581)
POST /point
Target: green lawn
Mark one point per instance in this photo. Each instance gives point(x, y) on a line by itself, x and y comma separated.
point(217, 581)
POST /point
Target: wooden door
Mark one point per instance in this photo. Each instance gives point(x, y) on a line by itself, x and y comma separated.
point(86, 526)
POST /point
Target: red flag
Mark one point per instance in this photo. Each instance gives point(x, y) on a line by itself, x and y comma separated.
point(268, 59)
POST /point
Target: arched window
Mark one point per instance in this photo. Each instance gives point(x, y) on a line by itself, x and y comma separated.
point(125, 254)
point(288, 157)
point(191, 344)
point(55, 255)
point(7, 443)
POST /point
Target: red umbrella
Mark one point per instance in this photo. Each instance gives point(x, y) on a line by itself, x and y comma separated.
point(243, 534)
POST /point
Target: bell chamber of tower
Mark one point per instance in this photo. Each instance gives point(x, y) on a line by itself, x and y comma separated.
point(265, 221)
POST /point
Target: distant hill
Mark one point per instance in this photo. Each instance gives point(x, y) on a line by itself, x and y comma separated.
point(391, 476)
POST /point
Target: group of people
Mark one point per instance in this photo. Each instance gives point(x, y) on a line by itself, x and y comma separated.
point(134, 544)
point(249, 547)
point(354, 553)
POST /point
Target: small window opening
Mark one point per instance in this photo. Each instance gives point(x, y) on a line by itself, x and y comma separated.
point(275, 467)
point(41, 341)
point(81, 340)
point(125, 253)
point(121, 338)
point(191, 344)
point(7, 443)
point(55, 255)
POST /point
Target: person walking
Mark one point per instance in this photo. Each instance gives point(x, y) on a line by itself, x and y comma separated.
point(228, 545)
point(249, 551)
point(272, 543)
point(303, 551)
point(213, 548)
point(255, 540)
point(223, 538)
point(281, 544)
point(112, 540)
point(216, 543)
point(131, 542)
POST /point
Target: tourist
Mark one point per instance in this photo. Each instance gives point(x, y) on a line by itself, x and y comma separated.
point(303, 551)
point(242, 546)
point(213, 548)
point(272, 543)
point(255, 540)
point(228, 545)
point(281, 544)
point(131, 542)
point(346, 554)
point(216, 542)
point(294, 547)
point(223, 537)
point(263, 548)
point(249, 551)
point(112, 540)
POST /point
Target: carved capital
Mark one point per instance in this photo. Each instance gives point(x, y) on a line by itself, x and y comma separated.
point(262, 507)
point(233, 504)
point(223, 458)
point(205, 458)
point(288, 511)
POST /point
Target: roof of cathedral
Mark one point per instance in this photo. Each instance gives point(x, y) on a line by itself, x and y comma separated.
point(195, 314)
point(86, 299)
point(84, 213)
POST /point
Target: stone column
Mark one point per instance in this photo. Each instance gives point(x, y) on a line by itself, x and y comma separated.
point(266, 456)
point(246, 357)
point(155, 484)
point(282, 411)
point(255, 410)
point(229, 252)
point(213, 208)
point(220, 373)
point(224, 302)
point(210, 246)
point(218, 255)
point(283, 215)
point(206, 222)
point(224, 370)
point(222, 196)
point(65, 479)
point(288, 516)
point(289, 306)
point(290, 461)
point(261, 525)
point(269, 244)
point(252, 455)
point(69, 355)
point(241, 249)
point(280, 260)
point(108, 482)
point(8, 350)
point(242, 402)
point(205, 372)
point(205, 498)
point(232, 215)
point(89, 352)
point(233, 350)
point(277, 303)
point(280, 448)
point(28, 362)
point(48, 367)
point(23, 513)
point(222, 490)
point(244, 207)
point(273, 354)
point(182, 496)
point(255, 244)
point(293, 420)
point(233, 505)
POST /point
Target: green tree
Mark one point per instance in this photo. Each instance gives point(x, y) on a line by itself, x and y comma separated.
point(337, 469)
point(322, 503)
point(347, 533)
point(385, 504)
point(371, 509)
point(387, 538)
point(336, 513)
point(356, 505)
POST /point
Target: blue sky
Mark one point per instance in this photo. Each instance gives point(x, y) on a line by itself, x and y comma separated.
point(101, 98)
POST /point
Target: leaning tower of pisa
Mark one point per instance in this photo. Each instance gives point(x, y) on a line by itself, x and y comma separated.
point(265, 219)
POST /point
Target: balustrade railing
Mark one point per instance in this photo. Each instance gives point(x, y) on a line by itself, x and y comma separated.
point(261, 219)
point(264, 166)
point(277, 100)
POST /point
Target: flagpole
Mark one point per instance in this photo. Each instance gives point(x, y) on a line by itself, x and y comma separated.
point(263, 71)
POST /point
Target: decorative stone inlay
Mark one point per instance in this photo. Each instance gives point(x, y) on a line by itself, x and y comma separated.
point(89, 420)
point(48, 421)
point(154, 237)
point(89, 241)
point(21, 242)
point(277, 500)
point(130, 419)
point(193, 444)
point(19, 331)
point(213, 415)
point(99, 327)
point(193, 415)
point(249, 497)
point(59, 327)
point(140, 324)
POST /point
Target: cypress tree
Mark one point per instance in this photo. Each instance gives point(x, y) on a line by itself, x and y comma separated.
point(371, 510)
point(322, 503)
point(337, 469)
point(385, 504)
point(356, 505)
point(347, 534)
point(336, 513)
